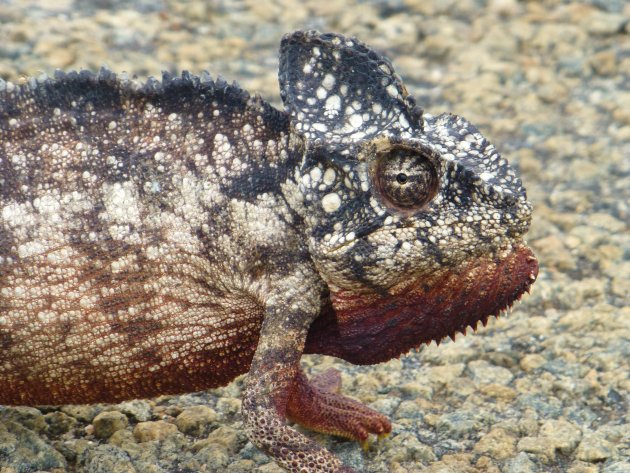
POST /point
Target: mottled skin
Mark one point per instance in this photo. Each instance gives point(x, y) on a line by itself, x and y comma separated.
point(166, 237)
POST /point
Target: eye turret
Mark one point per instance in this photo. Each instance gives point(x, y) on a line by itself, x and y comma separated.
point(406, 178)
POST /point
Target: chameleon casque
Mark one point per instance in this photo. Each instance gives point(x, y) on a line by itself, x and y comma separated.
point(167, 236)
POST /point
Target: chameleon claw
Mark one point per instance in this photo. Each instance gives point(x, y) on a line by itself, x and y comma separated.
point(365, 444)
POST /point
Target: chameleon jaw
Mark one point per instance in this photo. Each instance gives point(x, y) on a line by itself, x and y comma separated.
point(372, 328)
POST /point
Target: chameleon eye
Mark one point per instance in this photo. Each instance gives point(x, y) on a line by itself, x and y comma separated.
point(406, 178)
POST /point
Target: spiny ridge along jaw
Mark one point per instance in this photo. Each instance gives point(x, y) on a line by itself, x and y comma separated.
point(377, 326)
point(474, 325)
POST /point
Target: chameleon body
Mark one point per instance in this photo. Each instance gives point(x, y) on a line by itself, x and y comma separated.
point(166, 237)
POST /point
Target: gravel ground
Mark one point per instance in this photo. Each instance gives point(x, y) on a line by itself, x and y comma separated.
point(543, 390)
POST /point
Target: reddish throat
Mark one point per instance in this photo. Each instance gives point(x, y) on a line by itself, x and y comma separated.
point(372, 328)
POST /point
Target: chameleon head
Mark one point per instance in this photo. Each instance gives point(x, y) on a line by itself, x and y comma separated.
point(415, 222)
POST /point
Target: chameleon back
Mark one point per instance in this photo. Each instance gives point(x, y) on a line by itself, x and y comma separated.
point(118, 206)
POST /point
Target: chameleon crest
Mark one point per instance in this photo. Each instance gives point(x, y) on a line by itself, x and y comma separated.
point(166, 237)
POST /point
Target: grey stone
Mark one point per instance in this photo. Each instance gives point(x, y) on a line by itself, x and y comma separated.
point(521, 464)
point(228, 438)
point(485, 373)
point(548, 407)
point(214, 456)
point(605, 24)
point(228, 406)
point(82, 412)
point(29, 417)
point(407, 448)
point(593, 449)
point(539, 446)
point(562, 435)
point(498, 444)
point(137, 409)
point(24, 450)
point(106, 459)
point(153, 430)
point(408, 410)
point(108, 422)
point(240, 466)
point(59, 423)
point(195, 420)
point(459, 424)
point(617, 467)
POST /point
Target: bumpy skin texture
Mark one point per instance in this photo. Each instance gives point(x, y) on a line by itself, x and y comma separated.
point(165, 237)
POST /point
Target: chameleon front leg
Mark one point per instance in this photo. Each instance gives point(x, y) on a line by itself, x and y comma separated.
point(272, 374)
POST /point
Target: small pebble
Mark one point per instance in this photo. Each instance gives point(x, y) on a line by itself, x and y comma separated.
point(195, 420)
point(108, 422)
point(594, 449)
point(153, 430)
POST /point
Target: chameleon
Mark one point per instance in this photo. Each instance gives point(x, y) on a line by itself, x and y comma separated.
point(166, 236)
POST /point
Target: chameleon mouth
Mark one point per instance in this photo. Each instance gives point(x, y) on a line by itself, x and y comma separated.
point(372, 328)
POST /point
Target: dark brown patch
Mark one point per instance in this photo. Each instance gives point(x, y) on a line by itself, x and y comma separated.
point(6, 340)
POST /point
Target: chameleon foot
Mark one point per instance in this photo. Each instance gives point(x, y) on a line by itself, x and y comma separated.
point(317, 405)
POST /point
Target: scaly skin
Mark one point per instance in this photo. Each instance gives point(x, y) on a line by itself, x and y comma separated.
point(166, 237)
point(318, 406)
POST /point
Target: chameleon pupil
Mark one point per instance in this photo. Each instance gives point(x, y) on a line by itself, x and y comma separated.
point(405, 177)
